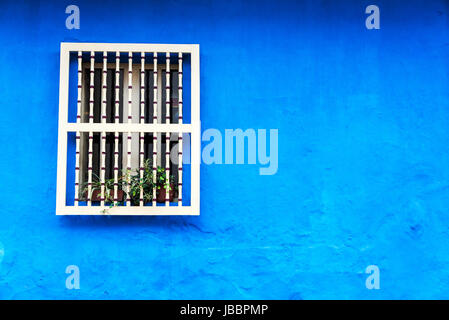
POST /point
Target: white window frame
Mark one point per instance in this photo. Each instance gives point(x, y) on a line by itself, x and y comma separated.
point(64, 127)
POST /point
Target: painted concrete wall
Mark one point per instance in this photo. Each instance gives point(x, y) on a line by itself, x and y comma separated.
point(363, 119)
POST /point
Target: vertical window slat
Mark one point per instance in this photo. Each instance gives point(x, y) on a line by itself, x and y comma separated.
point(91, 120)
point(180, 134)
point(78, 135)
point(142, 120)
point(154, 121)
point(130, 91)
point(116, 120)
point(167, 134)
point(103, 120)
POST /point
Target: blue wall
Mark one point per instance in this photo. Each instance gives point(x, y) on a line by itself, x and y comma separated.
point(363, 119)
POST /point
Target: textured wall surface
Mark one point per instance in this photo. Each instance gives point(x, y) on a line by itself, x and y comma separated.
point(363, 119)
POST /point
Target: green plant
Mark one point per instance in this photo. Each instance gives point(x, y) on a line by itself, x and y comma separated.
point(108, 189)
point(131, 183)
point(146, 183)
point(136, 183)
point(161, 180)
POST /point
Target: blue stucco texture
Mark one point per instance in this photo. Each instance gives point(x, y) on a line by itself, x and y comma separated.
point(363, 120)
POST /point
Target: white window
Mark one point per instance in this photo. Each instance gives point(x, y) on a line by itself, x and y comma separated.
point(129, 129)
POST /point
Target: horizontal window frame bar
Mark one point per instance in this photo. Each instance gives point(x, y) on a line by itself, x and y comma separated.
point(127, 210)
point(129, 47)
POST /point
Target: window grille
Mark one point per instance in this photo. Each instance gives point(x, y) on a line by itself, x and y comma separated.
point(120, 138)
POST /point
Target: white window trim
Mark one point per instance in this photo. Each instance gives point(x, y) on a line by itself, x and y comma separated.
point(64, 127)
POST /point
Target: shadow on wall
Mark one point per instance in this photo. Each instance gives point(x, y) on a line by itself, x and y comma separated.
point(180, 223)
